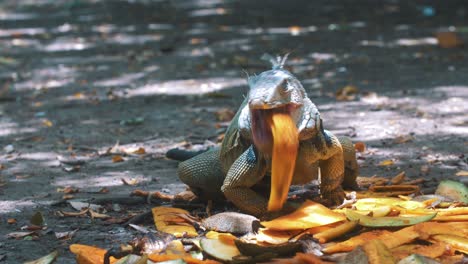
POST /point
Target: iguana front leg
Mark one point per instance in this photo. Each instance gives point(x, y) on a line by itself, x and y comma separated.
point(244, 173)
point(332, 175)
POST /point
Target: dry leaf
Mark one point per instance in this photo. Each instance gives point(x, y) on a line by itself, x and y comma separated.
point(403, 139)
point(347, 93)
point(89, 255)
point(448, 40)
point(462, 173)
point(310, 214)
point(117, 158)
point(378, 253)
point(48, 259)
point(11, 221)
point(225, 115)
point(65, 235)
point(432, 251)
point(386, 163)
point(47, 123)
point(18, 235)
point(167, 220)
point(131, 182)
point(338, 231)
point(360, 146)
point(355, 241)
point(398, 179)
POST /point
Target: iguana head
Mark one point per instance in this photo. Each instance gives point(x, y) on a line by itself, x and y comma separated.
point(271, 92)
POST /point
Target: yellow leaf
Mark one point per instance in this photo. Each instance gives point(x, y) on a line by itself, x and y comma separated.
point(274, 237)
point(462, 173)
point(89, 255)
point(355, 241)
point(432, 251)
point(167, 220)
point(47, 123)
point(386, 163)
point(457, 242)
point(378, 253)
point(340, 230)
point(310, 214)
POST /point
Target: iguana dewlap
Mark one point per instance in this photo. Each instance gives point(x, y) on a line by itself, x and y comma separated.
point(246, 154)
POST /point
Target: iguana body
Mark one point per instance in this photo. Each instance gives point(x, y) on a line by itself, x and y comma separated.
point(242, 161)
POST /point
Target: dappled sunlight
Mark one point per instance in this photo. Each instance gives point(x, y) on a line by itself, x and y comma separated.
point(126, 79)
point(67, 44)
point(13, 129)
point(9, 206)
point(39, 156)
point(404, 42)
point(105, 179)
point(48, 77)
point(128, 39)
point(416, 42)
point(7, 33)
point(187, 87)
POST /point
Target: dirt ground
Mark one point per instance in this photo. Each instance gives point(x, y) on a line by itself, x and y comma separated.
point(77, 77)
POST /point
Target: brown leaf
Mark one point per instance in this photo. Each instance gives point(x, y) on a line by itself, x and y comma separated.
point(117, 158)
point(448, 40)
point(360, 146)
point(398, 179)
point(224, 114)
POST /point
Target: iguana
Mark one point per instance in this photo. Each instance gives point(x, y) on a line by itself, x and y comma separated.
point(239, 166)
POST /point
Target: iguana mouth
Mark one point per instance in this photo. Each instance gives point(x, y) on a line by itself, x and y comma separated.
point(275, 135)
point(261, 120)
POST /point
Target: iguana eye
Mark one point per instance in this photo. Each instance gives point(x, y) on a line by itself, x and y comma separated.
point(285, 86)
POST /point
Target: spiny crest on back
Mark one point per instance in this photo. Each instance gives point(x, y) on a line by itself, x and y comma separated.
point(276, 62)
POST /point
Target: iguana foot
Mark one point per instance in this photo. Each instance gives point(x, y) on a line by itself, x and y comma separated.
point(335, 197)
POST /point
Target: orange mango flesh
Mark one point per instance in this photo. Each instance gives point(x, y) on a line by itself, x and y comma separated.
point(285, 147)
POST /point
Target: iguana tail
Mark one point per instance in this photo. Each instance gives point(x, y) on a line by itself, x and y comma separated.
point(182, 155)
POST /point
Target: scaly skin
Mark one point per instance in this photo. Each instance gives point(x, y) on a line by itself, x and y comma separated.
point(235, 169)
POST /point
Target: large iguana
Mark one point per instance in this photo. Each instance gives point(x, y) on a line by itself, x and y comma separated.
point(236, 168)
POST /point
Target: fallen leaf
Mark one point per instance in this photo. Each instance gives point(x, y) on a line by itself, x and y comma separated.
point(448, 40)
point(378, 253)
point(432, 251)
point(403, 139)
point(131, 182)
point(225, 115)
point(457, 242)
point(82, 205)
point(355, 241)
point(360, 146)
point(11, 221)
point(18, 235)
point(47, 123)
point(117, 158)
point(398, 179)
point(166, 219)
point(462, 173)
point(310, 214)
point(386, 163)
point(338, 231)
point(37, 219)
point(386, 221)
point(50, 258)
point(65, 235)
point(347, 93)
point(89, 255)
